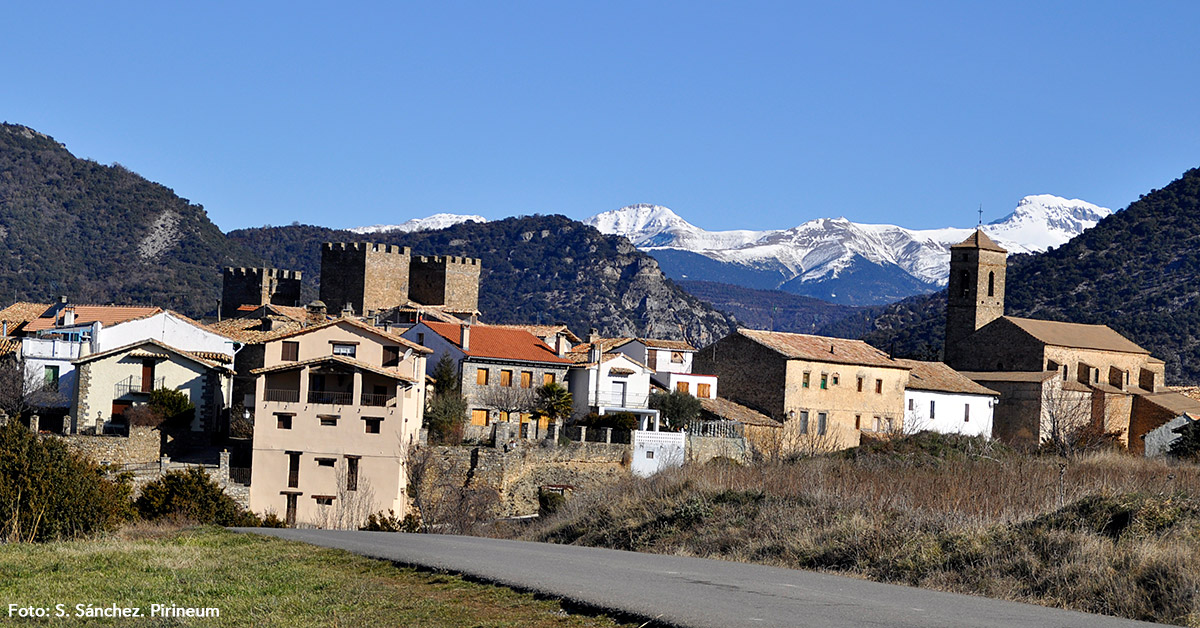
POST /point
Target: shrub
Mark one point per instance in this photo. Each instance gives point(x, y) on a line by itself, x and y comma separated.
point(194, 495)
point(677, 407)
point(48, 492)
point(615, 420)
point(380, 522)
point(550, 502)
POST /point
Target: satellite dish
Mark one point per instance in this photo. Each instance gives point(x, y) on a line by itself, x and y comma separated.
point(407, 355)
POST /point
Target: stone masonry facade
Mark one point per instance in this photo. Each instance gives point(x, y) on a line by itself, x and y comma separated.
point(258, 286)
point(368, 278)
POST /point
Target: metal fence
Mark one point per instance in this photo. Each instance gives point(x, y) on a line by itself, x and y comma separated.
point(717, 429)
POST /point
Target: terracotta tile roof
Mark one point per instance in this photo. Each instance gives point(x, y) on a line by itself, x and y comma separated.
point(10, 346)
point(726, 409)
point(584, 360)
point(137, 348)
point(488, 341)
point(1076, 335)
point(436, 312)
point(249, 330)
point(939, 377)
point(106, 315)
point(22, 312)
point(821, 348)
point(1009, 376)
point(295, 313)
point(606, 345)
point(340, 359)
point(1191, 392)
point(544, 331)
point(354, 322)
point(673, 345)
point(1174, 402)
point(979, 240)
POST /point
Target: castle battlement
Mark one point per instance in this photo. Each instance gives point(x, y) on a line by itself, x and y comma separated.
point(372, 247)
point(274, 273)
point(447, 259)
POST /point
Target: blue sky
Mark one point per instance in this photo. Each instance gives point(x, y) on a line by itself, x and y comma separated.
point(736, 115)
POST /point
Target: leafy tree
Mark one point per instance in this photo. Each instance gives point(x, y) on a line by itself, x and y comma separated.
point(194, 495)
point(48, 492)
point(676, 407)
point(554, 403)
point(1187, 446)
point(615, 420)
point(447, 410)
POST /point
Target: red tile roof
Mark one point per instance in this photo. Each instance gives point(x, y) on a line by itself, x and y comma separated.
point(499, 343)
point(979, 240)
point(106, 315)
point(22, 312)
point(1076, 335)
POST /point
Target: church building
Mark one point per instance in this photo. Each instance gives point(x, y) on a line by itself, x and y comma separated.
point(1051, 374)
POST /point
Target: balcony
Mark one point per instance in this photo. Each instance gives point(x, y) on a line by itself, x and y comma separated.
point(331, 397)
point(281, 395)
point(376, 400)
point(627, 400)
point(134, 385)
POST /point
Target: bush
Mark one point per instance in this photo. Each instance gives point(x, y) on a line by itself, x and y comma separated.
point(615, 420)
point(194, 495)
point(48, 492)
point(677, 408)
point(550, 502)
point(380, 522)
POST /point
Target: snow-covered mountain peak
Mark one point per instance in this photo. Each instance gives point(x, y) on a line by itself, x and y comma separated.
point(431, 223)
point(653, 226)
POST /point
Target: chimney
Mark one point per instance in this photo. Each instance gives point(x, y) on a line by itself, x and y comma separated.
point(594, 353)
point(466, 337)
point(68, 316)
point(593, 335)
point(561, 345)
point(314, 313)
point(348, 311)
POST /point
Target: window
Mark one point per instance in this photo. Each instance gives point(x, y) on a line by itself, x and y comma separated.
point(704, 391)
point(890, 426)
point(860, 384)
point(878, 424)
point(932, 408)
point(289, 351)
point(351, 473)
point(420, 338)
point(51, 382)
point(391, 356)
point(372, 424)
point(803, 422)
point(547, 378)
point(966, 413)
point(325, 462)
point(293, 469)
point(824, 381)
point(481, 377)
point(991, 284)
point(964, 283)
point(912, 404)
point(821, 417)
point(283, 421)
point(323, 500)
point(526, 379)
point(682, 387)
point(650, 455)
point(858, 421)
point(346, 350)
point(479, 417)
point(834, 380)
point(676, 357)
point(879, 386)
point(506, 377)
point(804, 380)
point(328, 420)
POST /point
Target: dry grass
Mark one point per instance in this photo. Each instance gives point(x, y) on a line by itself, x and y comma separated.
point(947, 513)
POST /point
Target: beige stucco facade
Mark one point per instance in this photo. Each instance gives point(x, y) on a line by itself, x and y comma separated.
point(332, 431)
point(112, 381)
point(834, 390)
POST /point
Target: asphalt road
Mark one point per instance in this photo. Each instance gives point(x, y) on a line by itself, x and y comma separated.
point(693, 592)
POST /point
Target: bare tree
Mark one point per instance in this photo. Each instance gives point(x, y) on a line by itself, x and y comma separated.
point(22, 392)
point(1067, 425)
point(352, 503)
point(507, 399)
point(445, 502)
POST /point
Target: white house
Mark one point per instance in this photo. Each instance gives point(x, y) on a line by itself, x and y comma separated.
point(671, 363)
point(939, 399)
point(610, 382)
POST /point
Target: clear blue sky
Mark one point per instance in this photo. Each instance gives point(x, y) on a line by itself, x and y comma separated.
point(734, 114)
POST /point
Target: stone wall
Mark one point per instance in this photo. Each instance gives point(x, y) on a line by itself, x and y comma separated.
point(969, 304)
point(701, 449)
point(750, 374)
point(258, 286)
point(367, 277)
point(142, 446)
point(448, 281)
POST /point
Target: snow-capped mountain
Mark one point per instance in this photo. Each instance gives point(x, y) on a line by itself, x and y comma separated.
point(834, 258)
point(432, 223)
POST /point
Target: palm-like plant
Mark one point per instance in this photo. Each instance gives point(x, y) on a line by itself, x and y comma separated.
point(554, 403)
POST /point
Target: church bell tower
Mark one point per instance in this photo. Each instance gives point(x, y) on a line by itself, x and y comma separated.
point(975, 295)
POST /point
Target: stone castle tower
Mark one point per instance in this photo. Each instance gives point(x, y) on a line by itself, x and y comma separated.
point(258, 286)
point(368, 278)
point(975, 295)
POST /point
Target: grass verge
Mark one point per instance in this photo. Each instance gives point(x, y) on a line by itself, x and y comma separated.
point(254, 581)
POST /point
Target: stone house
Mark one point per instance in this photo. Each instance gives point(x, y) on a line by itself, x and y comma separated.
point(499, 368)
point(939, 399)
point(825, 391)
point(336, 408)
point(111, 382)
point(1119, 382)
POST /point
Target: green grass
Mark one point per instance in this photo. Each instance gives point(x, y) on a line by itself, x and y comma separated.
point(255, 581)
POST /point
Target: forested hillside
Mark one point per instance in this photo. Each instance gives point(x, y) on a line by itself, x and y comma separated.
point(783, 311)
point(1136, 272)
point(535, 268)
point(101, 234)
